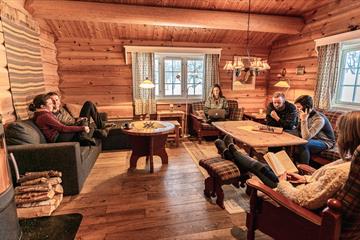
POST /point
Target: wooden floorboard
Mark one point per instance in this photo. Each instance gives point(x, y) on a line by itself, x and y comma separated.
point(167, 204)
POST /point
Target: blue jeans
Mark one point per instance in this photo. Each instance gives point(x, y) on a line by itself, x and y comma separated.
point(312, 147)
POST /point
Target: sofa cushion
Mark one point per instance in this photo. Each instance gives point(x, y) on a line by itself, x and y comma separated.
point(23, 132)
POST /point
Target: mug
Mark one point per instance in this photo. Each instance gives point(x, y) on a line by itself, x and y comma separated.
point(261, 111)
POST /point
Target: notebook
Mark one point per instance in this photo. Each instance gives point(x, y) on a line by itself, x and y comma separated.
point(216, 113)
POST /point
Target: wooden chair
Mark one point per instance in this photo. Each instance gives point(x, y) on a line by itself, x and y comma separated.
point(280, 218)
point(202, 128)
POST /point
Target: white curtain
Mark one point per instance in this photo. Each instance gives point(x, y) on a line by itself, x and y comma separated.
point(211, 73)
point(142, 68)
point(327, 76)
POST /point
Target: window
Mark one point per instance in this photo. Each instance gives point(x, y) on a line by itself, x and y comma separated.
point(348, 90)
point(178, 76)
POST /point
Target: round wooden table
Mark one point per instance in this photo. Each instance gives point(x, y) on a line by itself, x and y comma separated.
point(148, 138)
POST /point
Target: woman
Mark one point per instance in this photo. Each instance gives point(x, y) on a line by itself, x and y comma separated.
point(314, 127)
point(216, 100)
point(53, 130)
point(310, 191)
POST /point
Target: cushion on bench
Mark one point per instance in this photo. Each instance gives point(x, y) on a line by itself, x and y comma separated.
point(221, 168)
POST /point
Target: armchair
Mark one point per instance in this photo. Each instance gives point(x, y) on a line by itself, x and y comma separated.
point(280, 218)
point(202, 128)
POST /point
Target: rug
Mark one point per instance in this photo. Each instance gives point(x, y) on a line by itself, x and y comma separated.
point(59, 227)
point(235, 199)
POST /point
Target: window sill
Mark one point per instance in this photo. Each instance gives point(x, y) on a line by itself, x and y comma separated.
point(344, 108)
point(177, 101)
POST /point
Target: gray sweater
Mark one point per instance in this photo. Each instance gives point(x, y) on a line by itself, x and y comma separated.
point(318, 127)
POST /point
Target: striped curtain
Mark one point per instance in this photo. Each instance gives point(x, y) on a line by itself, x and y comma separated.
point(24, 64)
point(327, 76)
point(142, 67)
point(211, 73)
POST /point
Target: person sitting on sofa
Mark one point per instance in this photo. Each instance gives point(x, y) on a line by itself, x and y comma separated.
point(314, 127)
point(311, 191)
point(53, 129)
point(216, 100)
point(281, 113)
point(88, 110)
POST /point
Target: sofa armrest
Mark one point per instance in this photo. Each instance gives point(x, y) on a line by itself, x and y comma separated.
point(64, 157)
point(196, 117)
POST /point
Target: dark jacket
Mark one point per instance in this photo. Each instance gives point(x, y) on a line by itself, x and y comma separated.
point(288, 116)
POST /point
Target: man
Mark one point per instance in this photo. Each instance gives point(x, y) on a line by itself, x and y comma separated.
point(88, 110)
point(281, 113)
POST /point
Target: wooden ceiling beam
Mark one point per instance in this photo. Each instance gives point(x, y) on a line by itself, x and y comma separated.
point(159, 16)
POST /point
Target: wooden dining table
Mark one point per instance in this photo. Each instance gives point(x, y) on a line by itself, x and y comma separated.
point(244, 134)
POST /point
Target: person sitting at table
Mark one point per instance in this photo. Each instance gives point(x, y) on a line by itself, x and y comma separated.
point(87, 111)
point(313, 127)
point(310, 191)
point(216, 100)
point(281, 113)
point(53, 130)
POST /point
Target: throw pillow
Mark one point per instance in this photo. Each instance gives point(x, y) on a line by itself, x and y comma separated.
point(74, 109)
point(18, 133)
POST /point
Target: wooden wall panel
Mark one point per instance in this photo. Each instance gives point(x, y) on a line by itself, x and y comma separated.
point(6, 103)
point(49, 57)
point(290, 52)
point(95, 70)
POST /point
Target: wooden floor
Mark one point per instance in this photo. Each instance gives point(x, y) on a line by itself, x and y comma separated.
point(168, 204)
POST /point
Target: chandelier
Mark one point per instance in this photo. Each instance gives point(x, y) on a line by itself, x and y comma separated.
point(246, 63)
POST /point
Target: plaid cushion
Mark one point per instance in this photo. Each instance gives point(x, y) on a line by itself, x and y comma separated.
point(331, 154)
point(196, 106)
point(333, 116)
point(350, 199)
point(220, 168)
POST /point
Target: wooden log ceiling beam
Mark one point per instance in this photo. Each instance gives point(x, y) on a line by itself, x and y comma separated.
point(158, 16)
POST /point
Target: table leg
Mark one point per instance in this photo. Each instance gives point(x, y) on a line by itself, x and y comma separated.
point(151, 153)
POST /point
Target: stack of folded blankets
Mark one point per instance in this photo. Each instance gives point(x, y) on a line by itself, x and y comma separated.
point(39, 194)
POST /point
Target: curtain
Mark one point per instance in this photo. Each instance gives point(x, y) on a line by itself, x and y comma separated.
point(211, 73)
point(142, 68)
point(327, 76)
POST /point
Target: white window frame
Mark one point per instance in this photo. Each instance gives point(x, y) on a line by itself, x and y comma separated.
point(184, 57)
point(344, 49)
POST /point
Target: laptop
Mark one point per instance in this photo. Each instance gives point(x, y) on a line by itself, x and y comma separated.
point(217, 113)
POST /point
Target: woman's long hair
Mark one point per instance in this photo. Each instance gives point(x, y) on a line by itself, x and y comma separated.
point(39, 100)
point(220, 91)
point(348, 127)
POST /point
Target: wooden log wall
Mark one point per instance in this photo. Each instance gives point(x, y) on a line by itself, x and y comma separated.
point(48, 52)
point(6, 103)
point(290, 52)
point(95, 70)
point(49, 60)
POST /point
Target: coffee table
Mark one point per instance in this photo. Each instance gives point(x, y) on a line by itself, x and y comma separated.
point(148, 141)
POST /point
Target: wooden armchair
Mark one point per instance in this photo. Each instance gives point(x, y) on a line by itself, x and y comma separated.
point(280, 218)
point(202, 128)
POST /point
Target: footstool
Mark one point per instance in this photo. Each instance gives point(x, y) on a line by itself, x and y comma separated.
point(220, 172)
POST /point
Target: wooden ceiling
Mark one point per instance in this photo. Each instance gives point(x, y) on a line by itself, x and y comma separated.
point(63, 28)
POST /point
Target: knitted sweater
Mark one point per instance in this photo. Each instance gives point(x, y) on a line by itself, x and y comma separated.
point(321, 185)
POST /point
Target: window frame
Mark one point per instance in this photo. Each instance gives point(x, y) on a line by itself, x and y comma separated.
point(344, 49)
point(184, 57)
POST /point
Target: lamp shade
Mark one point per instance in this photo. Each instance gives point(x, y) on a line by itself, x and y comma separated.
point(147, 83)
point(282, 84)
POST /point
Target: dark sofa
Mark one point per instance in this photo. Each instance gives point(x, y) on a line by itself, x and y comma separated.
point(32, 153)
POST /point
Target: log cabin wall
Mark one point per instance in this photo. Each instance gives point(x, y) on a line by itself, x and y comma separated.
point(15, 8)
point(95, 69)
point(290, 52)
